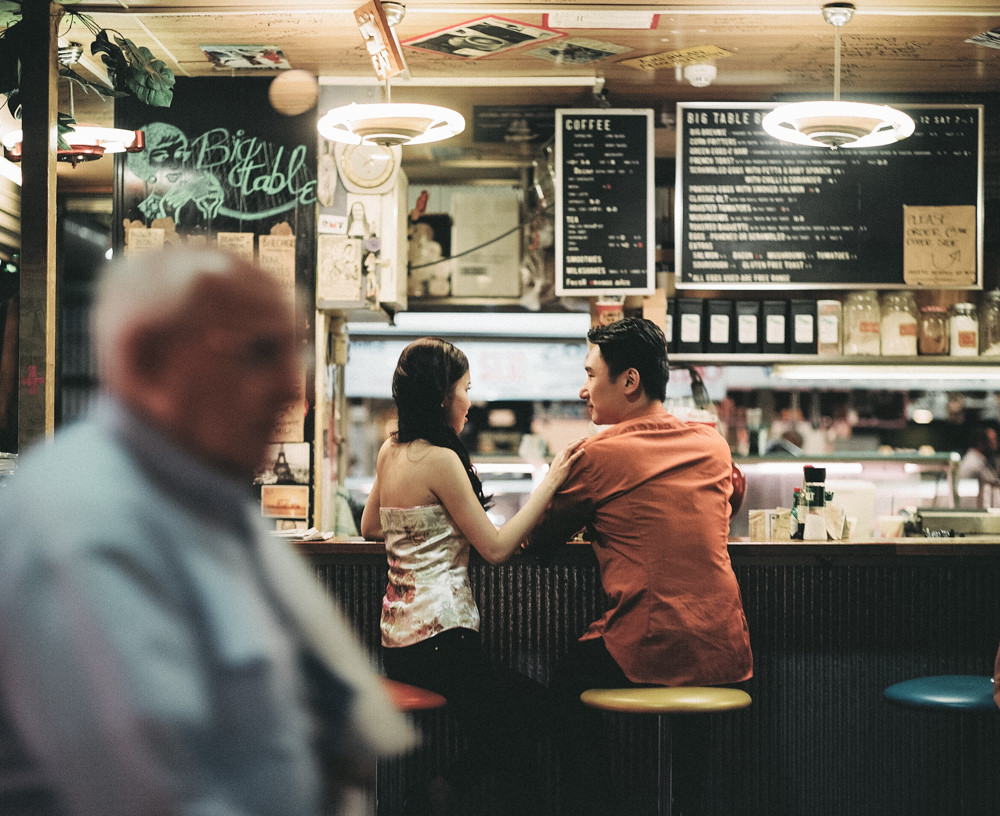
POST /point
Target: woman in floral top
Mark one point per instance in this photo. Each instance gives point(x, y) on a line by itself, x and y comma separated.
point(427, 503)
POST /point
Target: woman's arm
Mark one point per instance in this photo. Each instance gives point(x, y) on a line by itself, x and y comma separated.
point(451, 486)
point(371, 521)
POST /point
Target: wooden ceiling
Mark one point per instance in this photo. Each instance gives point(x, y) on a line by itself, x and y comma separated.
point(891, 50)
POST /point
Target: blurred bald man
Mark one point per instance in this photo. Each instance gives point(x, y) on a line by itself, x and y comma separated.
point(160, 653)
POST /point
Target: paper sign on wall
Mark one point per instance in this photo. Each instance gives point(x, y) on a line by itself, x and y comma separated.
point(939, 246)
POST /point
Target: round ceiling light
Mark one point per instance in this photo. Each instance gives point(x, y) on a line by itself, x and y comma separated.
point(833, 123)
point(838, 124)
point(390, 123)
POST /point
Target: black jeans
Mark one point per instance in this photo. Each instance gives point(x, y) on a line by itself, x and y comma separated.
point(503, 715)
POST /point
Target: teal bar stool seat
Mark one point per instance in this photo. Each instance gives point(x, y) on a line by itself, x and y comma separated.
point(945, 692)
point(665, 702)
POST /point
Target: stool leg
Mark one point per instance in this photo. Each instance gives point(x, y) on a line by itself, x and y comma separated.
point(665, 767)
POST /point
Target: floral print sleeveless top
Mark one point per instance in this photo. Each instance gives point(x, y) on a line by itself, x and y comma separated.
point(428, 590)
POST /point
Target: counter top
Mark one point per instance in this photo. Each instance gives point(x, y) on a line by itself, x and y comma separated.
point(964, 545)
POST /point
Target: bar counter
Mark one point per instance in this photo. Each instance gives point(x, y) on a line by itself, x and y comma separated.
point(831, 625)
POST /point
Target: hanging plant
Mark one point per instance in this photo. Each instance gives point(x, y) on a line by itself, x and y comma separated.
point(132, 70)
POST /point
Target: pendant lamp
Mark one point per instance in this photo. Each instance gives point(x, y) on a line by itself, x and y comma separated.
point(390, 123)
point(84, 142)
point(833, 123)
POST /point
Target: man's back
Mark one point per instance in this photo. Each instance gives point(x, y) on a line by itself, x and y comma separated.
point(654, 495)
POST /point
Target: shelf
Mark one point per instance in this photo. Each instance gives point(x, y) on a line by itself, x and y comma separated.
point(771, 360)
point(809, 370)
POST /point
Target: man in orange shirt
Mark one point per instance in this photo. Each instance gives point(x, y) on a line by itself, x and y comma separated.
point(653, 494)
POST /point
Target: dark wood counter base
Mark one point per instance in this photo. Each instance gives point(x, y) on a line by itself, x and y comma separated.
point(831, 626)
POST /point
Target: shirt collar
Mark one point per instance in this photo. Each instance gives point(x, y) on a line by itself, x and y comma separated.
point(194, 483)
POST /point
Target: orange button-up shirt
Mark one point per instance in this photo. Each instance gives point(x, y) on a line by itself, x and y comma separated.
point(653, 494)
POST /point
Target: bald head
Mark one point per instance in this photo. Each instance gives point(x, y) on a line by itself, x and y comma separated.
point(203, 345)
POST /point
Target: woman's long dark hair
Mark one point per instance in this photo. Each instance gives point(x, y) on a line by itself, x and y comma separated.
point(424, 378)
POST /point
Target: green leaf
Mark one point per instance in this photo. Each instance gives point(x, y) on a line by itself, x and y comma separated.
point(11, 43)
point(10, 12)
point(114, 60)
point(147, 77)
point(65, 123)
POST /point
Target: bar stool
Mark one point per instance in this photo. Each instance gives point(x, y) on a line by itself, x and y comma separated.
point(412, 698)
point(665, 702)
point(409, 699)
point(944, 692)
point(964, 694)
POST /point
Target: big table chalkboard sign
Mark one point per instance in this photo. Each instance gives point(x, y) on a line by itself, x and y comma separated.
point(757, 213)
point(604, 202)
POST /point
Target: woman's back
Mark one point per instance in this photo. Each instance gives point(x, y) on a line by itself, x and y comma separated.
point(406, 471)
point(428, 589)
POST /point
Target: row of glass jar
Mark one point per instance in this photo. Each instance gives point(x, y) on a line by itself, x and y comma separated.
point(893, 326)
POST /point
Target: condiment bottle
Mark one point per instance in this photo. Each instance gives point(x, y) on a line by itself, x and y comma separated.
point(989, 325)
point(899, 325)
point(814, 498)
point(862, 324)
point(964, 325)
point(933, 330)
point(795, 527)
point(828, 328)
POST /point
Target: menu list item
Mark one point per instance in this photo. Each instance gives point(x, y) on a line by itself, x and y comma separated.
point(604, 202)
point(755, 212)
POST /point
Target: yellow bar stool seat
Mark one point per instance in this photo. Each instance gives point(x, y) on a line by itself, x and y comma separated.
point(665, 702)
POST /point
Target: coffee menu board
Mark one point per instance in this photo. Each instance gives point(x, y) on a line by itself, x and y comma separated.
point(604, 202)
point(757, 213)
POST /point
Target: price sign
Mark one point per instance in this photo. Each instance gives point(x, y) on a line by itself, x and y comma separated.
point(604, 202)
point(755, 213)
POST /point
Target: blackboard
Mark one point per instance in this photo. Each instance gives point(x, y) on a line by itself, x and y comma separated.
point(756, 213)
point(604, 202)
point(221, 160)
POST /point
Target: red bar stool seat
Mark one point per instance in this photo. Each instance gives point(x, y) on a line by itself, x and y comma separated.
point(665, 702)
point(412, 698)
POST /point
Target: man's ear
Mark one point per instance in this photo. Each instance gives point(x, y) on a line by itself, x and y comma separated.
point(135, 374)
point(631, 380)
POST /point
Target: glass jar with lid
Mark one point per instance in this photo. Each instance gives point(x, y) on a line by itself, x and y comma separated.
point(899, 324)
point(964, 330)
point(933, 338)
point(989, 324)
point(862, 324)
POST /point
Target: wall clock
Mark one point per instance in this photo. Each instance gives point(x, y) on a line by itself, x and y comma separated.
point(368, 168)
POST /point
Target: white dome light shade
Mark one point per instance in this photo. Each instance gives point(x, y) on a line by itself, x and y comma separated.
point(837, 124)
point(390, 123)
point(86, 143)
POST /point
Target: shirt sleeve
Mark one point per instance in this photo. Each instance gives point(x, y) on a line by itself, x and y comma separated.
point(570, 510)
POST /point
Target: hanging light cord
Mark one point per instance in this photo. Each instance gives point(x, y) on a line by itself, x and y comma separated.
point(836, 63)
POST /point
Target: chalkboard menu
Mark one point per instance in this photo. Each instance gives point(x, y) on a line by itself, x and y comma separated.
point(604, 202)
point(756, 213)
